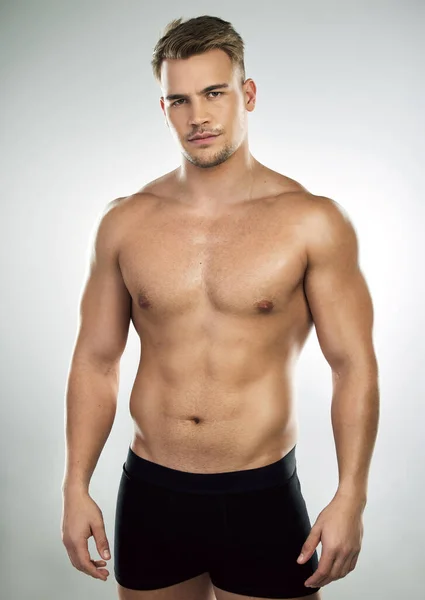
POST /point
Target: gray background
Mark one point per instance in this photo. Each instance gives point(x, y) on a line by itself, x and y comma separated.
point(340, 109)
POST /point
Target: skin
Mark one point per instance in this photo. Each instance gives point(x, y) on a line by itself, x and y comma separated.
point(223, 266)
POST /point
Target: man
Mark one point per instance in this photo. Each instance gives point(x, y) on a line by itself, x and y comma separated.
point(223, 266)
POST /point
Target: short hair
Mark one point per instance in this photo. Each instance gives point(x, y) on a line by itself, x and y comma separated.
point(182, 39)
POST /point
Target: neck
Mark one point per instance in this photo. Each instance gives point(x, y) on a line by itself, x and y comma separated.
point(227, 183)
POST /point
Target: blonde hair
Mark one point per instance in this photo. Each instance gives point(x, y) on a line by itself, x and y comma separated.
point(182, 39)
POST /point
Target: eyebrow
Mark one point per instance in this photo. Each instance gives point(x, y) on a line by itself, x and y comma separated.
point(210, 88)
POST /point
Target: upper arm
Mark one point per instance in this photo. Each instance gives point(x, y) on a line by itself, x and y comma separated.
point(336, 289)
point(105, 305)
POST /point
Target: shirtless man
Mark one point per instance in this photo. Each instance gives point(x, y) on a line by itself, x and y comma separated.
point(223, 266)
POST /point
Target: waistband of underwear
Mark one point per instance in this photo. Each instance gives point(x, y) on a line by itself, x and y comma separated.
point(274, 474)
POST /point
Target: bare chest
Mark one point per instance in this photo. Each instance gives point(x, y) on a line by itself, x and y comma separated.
point(243, 263)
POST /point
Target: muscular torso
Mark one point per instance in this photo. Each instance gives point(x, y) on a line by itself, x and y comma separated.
point(218, 302)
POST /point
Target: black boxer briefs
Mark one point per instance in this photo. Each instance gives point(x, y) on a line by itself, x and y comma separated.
point(246, 528)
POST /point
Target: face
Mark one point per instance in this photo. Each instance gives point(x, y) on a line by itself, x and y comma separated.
point(206, 97)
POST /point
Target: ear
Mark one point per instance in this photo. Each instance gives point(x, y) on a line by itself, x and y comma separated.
point(162, 105)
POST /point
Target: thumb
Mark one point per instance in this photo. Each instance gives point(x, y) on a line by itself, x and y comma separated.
point(101, 540)
point(310, 545)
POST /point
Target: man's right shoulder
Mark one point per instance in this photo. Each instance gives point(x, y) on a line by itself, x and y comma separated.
point(126, 203)
point(118, 214)
point(124, 206)
point(116, 218)
point(140, 201)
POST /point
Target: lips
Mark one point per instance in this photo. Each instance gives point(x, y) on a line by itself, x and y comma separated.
point(202, 136)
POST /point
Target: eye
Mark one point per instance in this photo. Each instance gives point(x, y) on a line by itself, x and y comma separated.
point(177, 102)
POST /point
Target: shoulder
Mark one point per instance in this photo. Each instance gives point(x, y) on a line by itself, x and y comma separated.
point(118, 215)
point(153, 191)
point(322, 225)
point(325, 216)
point(114, 219)
point(119, 211)
point(328, 229)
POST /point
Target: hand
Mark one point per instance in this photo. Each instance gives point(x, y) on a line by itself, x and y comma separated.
point(339, 527)
point(82, 518)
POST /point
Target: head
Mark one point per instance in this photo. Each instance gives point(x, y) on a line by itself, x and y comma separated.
point(199, 65)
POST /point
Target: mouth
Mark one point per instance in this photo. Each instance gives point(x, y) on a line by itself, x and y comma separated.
point(205, 140)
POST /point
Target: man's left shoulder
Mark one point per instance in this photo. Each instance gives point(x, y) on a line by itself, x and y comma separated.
point(322, 223)
point(329, 230)
point(319, 211)
point(315, 204)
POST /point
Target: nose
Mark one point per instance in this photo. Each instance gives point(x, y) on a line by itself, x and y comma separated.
point(198, 114)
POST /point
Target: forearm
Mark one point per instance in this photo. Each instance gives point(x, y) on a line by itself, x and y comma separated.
point(355, 417)
point(91, 401)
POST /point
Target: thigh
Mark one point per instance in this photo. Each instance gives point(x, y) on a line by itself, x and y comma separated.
point(265, 531)
point(197, 588)
point(150, 549)
point(221, 595)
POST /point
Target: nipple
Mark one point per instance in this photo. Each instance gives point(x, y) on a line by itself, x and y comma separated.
point(143, 301)
point(264, 306)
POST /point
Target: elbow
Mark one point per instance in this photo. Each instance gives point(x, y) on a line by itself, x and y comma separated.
point(364, 368)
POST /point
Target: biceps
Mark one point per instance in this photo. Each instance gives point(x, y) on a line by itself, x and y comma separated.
point(105, 313)
point(342, 312)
